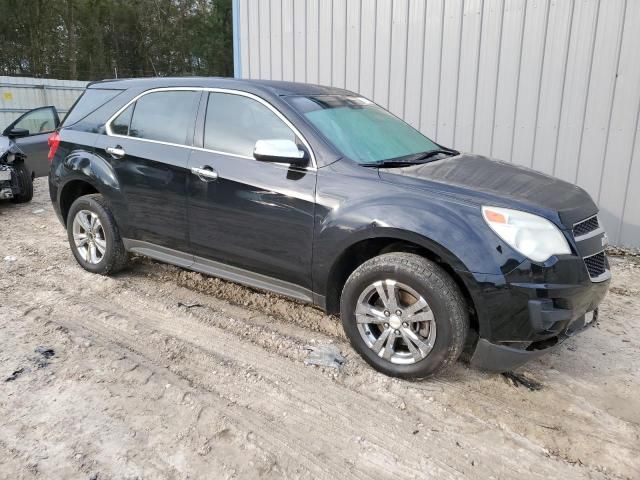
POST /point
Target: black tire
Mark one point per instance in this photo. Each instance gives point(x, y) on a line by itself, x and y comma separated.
point(115, 257)
point(25, 182)
point(442, 295)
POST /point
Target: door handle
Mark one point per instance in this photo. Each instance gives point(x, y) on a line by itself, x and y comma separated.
point(205, 173)
point(116, 152)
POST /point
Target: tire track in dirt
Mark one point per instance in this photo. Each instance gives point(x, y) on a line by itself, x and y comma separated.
point(117, 319)
point(482, 402)
point(196, 363)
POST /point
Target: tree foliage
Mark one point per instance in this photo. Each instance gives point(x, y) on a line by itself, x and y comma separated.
point(94, 39)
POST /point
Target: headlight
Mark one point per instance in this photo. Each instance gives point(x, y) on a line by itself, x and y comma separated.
point(533, 236)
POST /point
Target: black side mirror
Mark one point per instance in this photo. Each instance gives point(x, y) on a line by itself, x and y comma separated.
point(16, 132)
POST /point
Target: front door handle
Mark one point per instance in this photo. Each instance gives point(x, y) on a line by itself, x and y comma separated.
point(205, 173)
point(116, 152)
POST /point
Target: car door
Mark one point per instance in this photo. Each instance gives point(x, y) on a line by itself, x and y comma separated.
point(31, 132)
point(254, 215)
point(148, 144)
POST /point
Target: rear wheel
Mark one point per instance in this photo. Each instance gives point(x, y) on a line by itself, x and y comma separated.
point(94, 237)
point(405, 315)
point(25, 183)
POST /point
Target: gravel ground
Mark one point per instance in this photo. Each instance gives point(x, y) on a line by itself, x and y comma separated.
point(111, 378)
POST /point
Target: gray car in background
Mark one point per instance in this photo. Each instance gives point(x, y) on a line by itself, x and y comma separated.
point(30, 132)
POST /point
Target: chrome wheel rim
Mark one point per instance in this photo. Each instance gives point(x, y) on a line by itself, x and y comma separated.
point(89, 237)
point(396, 322)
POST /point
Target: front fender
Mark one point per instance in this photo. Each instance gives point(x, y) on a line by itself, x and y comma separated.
point(453, 230)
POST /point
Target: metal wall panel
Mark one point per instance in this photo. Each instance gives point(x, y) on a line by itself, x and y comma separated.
point(21, 94)
point(468, 84)
point(549, 84)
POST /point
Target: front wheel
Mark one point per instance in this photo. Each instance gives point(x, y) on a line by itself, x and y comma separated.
point(25, 183)
point(405, 315)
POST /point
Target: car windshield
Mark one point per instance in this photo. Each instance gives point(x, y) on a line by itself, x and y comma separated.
point(361, 130)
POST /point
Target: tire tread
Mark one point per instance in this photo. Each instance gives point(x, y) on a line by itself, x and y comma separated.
point(437, 276)
point(26, 184)
point(119, 257)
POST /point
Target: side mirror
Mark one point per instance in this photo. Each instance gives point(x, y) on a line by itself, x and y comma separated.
point(280, 151)
point(16, 132)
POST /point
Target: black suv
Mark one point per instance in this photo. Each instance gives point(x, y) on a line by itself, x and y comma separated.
point(319, 194)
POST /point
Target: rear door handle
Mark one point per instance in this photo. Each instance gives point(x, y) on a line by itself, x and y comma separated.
point(205, 173)
point(116, 152)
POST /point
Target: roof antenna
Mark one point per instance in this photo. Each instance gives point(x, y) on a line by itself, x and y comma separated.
point(155, 72)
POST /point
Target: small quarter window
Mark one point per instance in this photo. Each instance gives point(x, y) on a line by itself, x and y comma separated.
point(234, 123)
point(162, 116)
point(120, 125)
point(87, 103)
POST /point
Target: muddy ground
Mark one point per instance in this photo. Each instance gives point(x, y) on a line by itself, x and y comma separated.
point(131, 385)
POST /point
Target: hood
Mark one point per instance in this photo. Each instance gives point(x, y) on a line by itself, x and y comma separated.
point(490, 182)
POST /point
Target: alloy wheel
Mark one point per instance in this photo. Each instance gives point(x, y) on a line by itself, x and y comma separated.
point(396, 322)
point(89, 237)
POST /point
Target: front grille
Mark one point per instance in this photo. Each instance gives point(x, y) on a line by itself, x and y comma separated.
point(596, 264)
point(586, 226)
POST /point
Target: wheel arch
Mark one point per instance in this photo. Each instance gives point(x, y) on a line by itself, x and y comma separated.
point(71, 191)
point(358, 252)
point(82, 172)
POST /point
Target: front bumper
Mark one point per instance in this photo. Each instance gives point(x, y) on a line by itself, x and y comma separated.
point(503, 358)
point(527, 312)
point(9, 186)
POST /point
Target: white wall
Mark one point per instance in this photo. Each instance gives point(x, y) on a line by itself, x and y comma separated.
point(550, 84)
point(20, 94)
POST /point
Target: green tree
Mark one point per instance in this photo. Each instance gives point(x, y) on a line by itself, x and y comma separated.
point(94, 39)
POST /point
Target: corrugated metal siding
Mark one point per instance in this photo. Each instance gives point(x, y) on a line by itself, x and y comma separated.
point(20, 94)
point(550, 84)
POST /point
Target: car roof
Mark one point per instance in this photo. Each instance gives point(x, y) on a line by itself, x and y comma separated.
point(272, 87)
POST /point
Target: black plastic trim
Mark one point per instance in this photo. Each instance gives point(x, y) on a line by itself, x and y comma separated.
point(500, 358)
point(543, 315)
point(218, 269)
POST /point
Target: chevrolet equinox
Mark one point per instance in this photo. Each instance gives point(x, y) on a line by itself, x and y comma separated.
point(319, 194)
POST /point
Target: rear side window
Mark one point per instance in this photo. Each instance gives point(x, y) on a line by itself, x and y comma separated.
point(89, 101)
point(163, 116)
point(234, 123)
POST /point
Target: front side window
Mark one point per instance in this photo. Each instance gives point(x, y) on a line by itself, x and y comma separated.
point(361, 130)
point(161, 116)
point(234, 123)
point(41, 120)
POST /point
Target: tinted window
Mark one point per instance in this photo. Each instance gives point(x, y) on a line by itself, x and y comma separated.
point(361, 130)
point(120, 124)
point(235, 123)
point(37, 121)
point(165, 116)
point(89, 101)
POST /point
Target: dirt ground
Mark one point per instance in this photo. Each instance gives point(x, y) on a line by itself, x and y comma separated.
point(106, 378)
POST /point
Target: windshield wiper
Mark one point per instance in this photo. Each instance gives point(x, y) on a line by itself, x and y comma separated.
point(433, 153)
point(390, 163)
point(413, 159)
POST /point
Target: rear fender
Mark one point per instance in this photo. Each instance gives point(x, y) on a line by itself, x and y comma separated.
point(82, 165)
